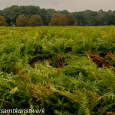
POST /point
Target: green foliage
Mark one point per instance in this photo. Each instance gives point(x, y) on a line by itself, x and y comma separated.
point(29, 77)
point(70, 20)
point(58, 20)
point(87, 17)
point(2, 21)
point(22, 21)
point(35, 20)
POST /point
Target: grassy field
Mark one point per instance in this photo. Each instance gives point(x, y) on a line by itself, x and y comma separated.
point(65, 70)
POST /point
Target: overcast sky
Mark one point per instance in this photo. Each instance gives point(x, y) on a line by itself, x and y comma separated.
point(70, 5)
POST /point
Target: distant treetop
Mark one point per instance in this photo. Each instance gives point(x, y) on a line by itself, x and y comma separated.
point(81, 18)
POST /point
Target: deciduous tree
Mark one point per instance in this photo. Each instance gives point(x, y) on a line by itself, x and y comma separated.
point(63, 19)
point(35, 20)
point(58, 20)
point(70, 20)
point(2, 21)
point(22, 21)
point(55, 20)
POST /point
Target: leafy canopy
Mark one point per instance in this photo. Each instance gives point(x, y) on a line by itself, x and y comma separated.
point(35, 20)
point(2, 21)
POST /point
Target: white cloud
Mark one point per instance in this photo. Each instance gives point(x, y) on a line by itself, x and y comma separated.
point(70, 5)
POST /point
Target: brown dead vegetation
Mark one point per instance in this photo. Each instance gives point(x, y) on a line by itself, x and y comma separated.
point(95, 58)
point(98, 59)
point(59, 61)
point(110, 56)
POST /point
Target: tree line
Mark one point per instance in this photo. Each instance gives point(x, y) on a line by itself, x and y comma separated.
point(36, 16)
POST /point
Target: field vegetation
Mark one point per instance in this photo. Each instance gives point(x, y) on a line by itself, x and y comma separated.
point(65, 70)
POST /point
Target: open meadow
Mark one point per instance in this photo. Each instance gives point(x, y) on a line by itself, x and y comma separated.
point(65, 70)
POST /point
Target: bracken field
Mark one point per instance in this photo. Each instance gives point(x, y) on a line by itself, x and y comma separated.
point(65, 70)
